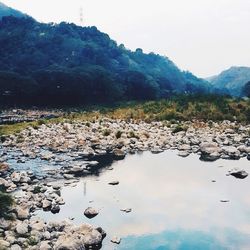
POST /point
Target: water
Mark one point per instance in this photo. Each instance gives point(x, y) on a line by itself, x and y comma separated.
point(175, 204)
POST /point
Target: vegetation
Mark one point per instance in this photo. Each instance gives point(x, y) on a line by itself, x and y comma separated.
point(118, 134)
point(64, 64)
point(6, 201)
point(231, 81)
point(246, 90)
point(179, 128)
point(178, 108)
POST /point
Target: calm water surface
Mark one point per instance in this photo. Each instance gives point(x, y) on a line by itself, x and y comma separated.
point(175, 204)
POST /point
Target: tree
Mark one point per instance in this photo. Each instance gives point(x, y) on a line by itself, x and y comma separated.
point(246, 89)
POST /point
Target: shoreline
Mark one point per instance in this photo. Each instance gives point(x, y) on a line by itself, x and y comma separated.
point(87, 144)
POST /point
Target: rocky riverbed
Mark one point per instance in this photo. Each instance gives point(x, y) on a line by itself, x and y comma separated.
point(69, 151)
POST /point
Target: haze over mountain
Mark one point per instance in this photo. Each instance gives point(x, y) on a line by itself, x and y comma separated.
point(231, 81)
point(7, 11)
point(69, 64)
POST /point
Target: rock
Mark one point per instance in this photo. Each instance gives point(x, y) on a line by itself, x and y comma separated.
point(116, 240)
point(119, 154)
point(244, 149)
point(68, 176)
point(22, 213)
point(38, 226)
point(183, 153)
point(126, 210)
point(91, 236)
point(44, 245)
point(239, 174)
point(156, 150)
point(55, 209)
point(209, 151)
point(102, 232)
point(69, 241)
point(15, 247)
point(22, 229)
point(5, 224)
point(15, 177)
point(46, 204)
point(91, 212)
point(56, 186)
point(232, 152)
point(113, 183)
point(4, 244)
point(4, 167)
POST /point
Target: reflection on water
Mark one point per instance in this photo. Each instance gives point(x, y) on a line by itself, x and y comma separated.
point(175, 204)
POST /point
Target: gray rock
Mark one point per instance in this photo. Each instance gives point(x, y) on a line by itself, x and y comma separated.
point(46, 204)
point(209, 151)
point(91, 212)
point(22, 213)
point(69, 241)
point(44, 245)
point(55, 209)
point(22, 229)
point(15, 247)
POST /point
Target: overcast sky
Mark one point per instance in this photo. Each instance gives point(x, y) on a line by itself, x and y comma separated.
point(203, 36)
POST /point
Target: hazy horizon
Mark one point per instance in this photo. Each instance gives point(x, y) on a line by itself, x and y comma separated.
point(204, 37)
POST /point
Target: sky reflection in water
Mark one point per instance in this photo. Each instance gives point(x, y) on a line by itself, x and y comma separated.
point(175, 204)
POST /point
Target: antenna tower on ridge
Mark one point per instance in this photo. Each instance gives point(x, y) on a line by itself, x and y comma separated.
point(81, 17)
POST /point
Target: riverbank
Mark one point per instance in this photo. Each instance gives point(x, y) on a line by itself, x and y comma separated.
point(68, 150)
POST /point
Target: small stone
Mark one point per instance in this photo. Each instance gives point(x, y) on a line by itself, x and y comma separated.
point(126, 210)
point(116, 240)
point(113, 183)
point(91, 212)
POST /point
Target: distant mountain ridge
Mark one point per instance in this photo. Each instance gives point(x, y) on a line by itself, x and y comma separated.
point(7, 11)
point(231, 81)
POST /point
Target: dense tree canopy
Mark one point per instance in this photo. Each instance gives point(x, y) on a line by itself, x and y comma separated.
point(45, 64)
point(246, 90)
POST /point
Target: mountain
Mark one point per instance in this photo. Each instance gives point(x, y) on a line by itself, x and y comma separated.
point(68, 64)
point(7, 11)
point(231, 81)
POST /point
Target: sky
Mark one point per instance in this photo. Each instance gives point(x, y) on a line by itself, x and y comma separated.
point(202, 36)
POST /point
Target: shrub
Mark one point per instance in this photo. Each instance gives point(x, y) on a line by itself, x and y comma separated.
point(132, 134)
point(6, 201)
point(118, 134)
point(106, 132)
point(179, 128)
